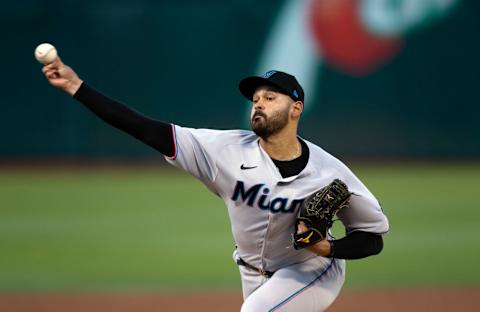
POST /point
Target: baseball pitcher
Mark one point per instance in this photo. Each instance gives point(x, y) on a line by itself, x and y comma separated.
point(282, 192)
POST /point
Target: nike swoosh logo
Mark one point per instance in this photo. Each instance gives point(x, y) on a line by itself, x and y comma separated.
point(243, 167)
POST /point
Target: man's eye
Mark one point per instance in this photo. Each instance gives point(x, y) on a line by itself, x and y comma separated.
point(270, 98)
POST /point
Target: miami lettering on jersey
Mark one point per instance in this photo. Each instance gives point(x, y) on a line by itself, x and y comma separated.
point(264, 202)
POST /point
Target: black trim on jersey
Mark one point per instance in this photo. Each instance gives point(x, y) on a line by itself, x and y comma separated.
point(293, 167)
point(154, 133)
point(356, 245)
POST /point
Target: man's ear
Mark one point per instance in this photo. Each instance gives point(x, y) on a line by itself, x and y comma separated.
point(297, 109)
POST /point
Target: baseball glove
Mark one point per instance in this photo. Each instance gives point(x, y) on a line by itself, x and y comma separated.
point(317, 212)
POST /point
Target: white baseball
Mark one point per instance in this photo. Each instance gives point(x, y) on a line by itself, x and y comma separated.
point(45, 53)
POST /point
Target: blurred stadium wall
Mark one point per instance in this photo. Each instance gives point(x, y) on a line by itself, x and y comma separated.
point(384, 79)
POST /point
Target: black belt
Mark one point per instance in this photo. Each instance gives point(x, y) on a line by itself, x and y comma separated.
point(268, 274)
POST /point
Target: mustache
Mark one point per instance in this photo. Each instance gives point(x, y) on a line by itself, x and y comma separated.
point(259, 113)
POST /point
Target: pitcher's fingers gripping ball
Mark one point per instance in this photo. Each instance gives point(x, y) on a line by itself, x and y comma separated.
point(52, 70)
point(317, 213)
point(56, 72)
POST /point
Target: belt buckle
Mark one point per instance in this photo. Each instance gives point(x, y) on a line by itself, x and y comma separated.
point(264, 273)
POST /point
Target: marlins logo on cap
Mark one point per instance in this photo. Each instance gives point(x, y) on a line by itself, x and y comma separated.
point(269, 73)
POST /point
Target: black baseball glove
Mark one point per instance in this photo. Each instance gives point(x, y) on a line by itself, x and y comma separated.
point(317, 212)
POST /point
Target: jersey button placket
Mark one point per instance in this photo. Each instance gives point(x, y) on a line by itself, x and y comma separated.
point(274, 177)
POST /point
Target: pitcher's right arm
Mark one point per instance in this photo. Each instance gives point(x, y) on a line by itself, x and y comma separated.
point(154, 133)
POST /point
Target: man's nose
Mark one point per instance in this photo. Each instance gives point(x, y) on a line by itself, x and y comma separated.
point(259, 105)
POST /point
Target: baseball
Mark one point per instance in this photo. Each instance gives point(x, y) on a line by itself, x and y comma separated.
point(45, 53)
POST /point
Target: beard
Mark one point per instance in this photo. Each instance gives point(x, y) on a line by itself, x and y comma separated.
point(265, 127)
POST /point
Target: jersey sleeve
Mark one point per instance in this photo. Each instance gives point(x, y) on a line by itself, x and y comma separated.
point(195, 151)
point(364, 212)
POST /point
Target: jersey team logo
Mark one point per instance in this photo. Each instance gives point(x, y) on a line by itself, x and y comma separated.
point(252, 197)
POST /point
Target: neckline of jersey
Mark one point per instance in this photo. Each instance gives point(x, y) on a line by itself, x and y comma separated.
point(308, 170)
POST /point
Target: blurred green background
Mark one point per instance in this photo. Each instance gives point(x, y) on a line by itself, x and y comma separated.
point(391, 89)
point(415, 96)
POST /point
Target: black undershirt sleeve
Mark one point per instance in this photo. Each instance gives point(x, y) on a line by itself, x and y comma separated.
point(356, 245)
point(154, 133)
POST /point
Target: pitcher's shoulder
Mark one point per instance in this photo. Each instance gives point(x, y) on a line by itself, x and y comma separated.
point(218, 135)
point(242, 137)
point(324, 159)
point(318, 152)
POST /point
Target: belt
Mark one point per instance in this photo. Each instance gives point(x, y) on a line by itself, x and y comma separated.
point(268, 274)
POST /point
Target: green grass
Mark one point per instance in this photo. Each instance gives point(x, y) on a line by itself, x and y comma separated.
point(136, 229)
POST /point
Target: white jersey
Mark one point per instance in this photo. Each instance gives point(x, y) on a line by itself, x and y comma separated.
point(262, 205)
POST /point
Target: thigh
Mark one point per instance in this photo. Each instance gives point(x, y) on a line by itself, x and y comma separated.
point(251, 281)
point(310, 286)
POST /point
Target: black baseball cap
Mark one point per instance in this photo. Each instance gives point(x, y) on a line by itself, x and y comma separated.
point(285, 83)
